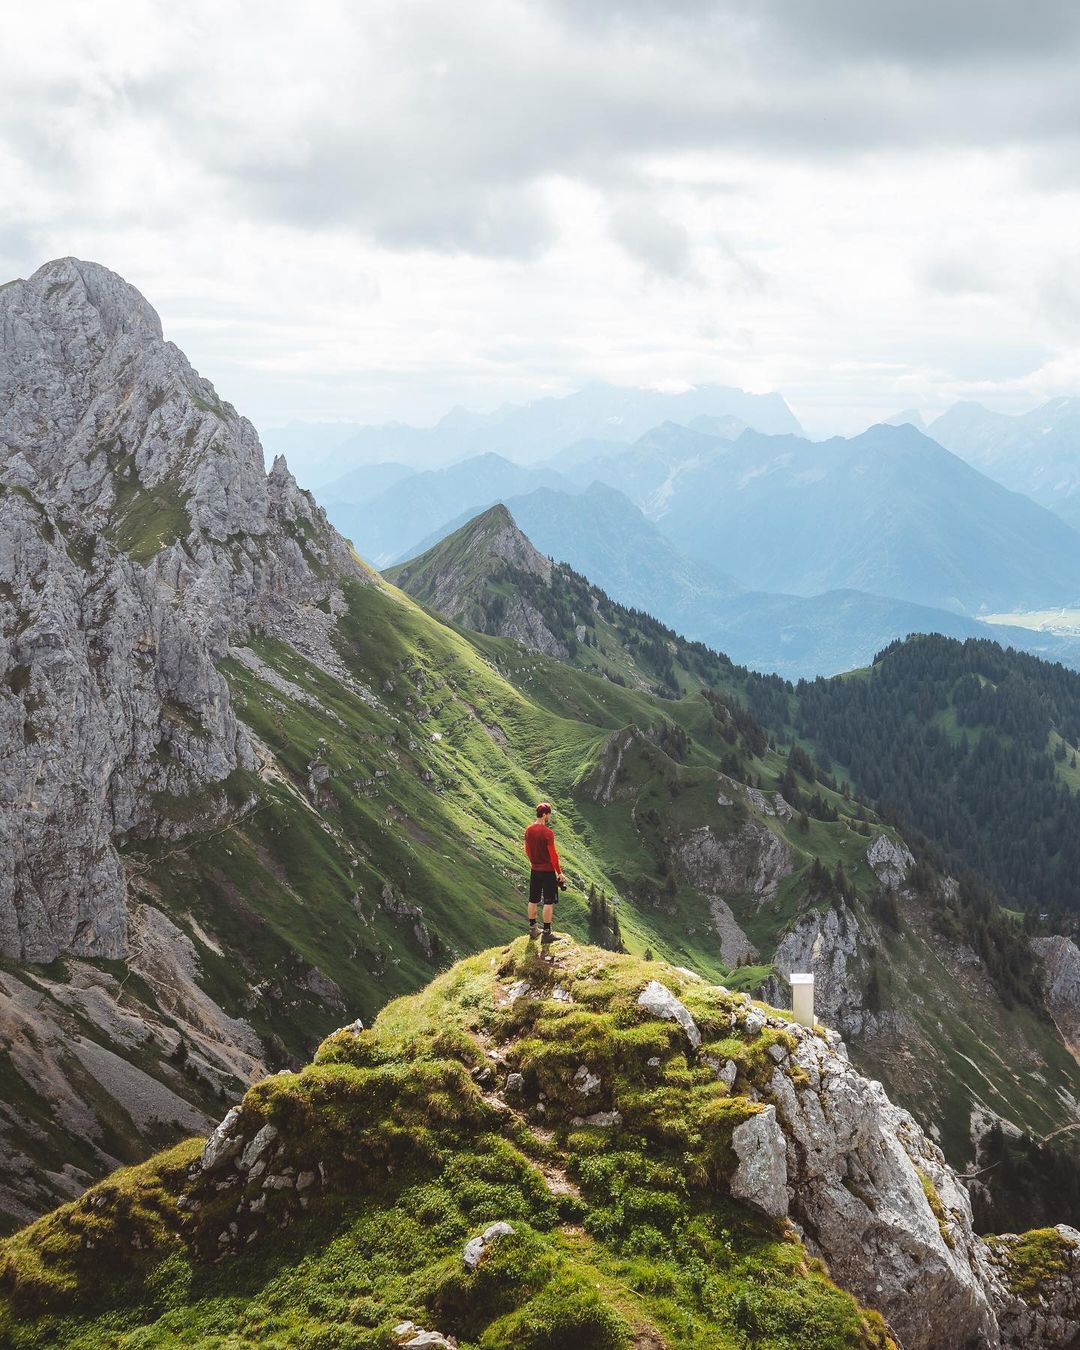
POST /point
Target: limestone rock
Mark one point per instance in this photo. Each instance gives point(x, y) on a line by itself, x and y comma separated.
point(139, 535)
point(1060, 959)
point(1047, 1316)
point(752, 861)
point(824, 943)
point(859, 1168)
point(889, 861)
point(408, 1334)
point(585, 1082)
point(761, 1176)
point(657, 999)
point(475, 1247)
point(224, 1144)
point(601, 1120)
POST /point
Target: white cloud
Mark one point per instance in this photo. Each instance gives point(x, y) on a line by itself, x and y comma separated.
point(377, 211)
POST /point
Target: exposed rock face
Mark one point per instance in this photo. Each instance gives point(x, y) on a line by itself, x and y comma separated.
point(105, 422)
point(865, 1183)
point(139, 533)
point(475, 1247)
point(822, 943)
point(1038, 1305)
point(1061, 984)
point(611, 781)
point(761, 1176)
point(889, 861)
point(129, 1060)
point(661, 1002)
point(107, 699)
point(752, 861)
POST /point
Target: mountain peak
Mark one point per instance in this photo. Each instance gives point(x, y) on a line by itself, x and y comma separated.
point(120, 306)
point(463, 577)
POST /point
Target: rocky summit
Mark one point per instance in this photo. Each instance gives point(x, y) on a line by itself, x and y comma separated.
point(586, 1149)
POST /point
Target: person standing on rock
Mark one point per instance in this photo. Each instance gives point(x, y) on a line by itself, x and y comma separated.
point(546, 877)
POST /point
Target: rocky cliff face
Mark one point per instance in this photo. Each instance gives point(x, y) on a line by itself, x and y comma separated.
point(109, 426)
point(1061, 984)
point(108, 704)
point(139, 534)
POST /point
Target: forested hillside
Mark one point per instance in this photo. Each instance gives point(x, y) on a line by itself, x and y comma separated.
point(973, 745)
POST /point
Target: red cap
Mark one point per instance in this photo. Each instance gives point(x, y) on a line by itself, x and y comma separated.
point(542, 808)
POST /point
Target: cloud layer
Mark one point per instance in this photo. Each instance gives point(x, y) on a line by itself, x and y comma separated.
point(378, 210)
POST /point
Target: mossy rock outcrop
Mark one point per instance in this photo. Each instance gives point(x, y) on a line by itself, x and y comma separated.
point(658, 1171)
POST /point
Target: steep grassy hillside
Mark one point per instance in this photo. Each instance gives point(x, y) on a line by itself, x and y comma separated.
point(894, 958)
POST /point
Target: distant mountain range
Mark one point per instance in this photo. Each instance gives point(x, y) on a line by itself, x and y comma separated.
point(599, 413)
point(1037, 452)
point(889, 512)
point(793, 556)
point(411, 508)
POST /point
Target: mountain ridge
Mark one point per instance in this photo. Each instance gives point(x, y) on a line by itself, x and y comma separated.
point(541, 428)
point(904, 518)
point(602, 535)
point(1033, 452)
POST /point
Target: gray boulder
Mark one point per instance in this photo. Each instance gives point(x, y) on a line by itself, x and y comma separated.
point(475, 1247)
point(658, 1000)
point(761, 1176)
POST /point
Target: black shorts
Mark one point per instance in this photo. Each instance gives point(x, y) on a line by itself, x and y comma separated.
point(543, 886)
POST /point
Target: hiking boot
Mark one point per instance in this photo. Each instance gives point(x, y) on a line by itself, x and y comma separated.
point(549, 937)
point(534, 932)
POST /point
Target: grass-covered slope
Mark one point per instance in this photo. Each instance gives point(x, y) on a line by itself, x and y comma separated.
point(336, 1203)
point(911, 989)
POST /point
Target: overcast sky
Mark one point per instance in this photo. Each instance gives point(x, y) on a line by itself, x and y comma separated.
point(378, 210)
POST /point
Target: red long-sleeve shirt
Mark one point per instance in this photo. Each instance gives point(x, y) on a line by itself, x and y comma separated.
point(540, 848)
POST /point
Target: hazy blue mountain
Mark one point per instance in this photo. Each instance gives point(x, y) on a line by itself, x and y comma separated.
point(602, 535)
point(728, 428)
point(542, 429)
point(386, 525)
point(1037, 452)
point(890, 512)
point(908, 417)
point(801, 637)
point(363, 483)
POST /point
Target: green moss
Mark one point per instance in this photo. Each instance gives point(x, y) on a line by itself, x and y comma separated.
point(941, 1214)
point(1035, 1258)
point(146, 520)
point(86, 1250)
